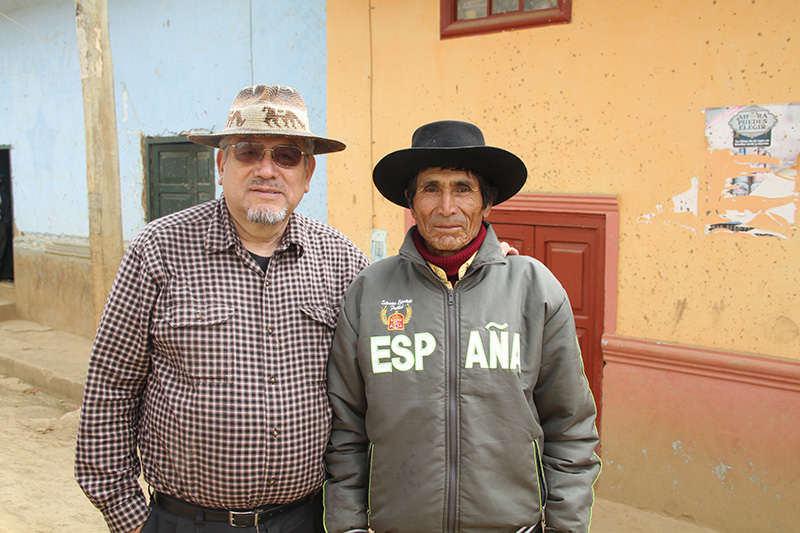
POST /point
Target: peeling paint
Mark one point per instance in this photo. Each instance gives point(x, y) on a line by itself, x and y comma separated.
point(770, 205)
point(124, 105)
point(721, 470)
point(89, 37)
point(685, 202)
point(757, 480)
point(677, 448)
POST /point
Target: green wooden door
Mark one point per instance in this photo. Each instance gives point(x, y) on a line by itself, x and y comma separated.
point(181, 174)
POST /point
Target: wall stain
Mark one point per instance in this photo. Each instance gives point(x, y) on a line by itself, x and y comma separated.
point(680, 308)
point(784, 330)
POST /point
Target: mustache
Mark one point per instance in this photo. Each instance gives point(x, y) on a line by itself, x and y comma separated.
point(271, 183)
point(436, 220)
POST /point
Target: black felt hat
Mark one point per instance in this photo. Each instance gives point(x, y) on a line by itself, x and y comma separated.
point(449, 144)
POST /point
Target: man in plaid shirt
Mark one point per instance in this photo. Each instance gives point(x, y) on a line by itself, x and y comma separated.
point(210, 357)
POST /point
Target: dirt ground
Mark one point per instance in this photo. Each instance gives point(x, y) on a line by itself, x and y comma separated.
point(38, 492)
point(37, 441)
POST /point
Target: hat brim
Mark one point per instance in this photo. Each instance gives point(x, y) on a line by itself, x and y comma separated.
point(321, 144)
point(503, 169)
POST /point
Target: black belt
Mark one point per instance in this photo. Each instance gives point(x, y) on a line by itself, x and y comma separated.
point(234, 518)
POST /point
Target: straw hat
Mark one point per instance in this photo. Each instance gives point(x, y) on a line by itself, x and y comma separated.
point(269, 110)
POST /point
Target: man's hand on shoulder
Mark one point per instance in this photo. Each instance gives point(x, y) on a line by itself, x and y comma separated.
point(508, 249)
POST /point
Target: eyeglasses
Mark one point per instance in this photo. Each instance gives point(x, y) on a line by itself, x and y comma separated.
point(285, 156)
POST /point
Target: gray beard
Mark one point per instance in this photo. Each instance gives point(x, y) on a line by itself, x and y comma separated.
point(266, 216)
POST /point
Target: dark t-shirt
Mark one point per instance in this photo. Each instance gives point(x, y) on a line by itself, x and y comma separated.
point(261, 260)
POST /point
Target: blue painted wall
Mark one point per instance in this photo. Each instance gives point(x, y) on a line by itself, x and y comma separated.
point(177, 67)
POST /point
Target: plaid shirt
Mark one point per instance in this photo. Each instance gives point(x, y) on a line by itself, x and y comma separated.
point(215, 371)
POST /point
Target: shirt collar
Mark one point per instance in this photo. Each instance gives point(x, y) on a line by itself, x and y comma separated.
point(462, 270)
point(221, 234)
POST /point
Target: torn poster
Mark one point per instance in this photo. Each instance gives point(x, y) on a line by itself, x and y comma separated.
point(752, 164)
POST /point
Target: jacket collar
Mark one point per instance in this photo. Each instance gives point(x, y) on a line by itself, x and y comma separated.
point(489, 252)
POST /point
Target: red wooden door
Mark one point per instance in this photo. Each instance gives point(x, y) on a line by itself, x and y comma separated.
point(572, 247)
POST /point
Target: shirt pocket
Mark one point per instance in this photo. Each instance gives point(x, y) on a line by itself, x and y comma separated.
point(317, 332)
point(199, 335)
point(322, 314)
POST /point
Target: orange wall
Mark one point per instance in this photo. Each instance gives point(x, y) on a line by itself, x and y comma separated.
point(611, 103)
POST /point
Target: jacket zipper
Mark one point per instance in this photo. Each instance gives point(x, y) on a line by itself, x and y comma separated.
point(451, 492)
point(540, 476)
point(452, 411)
point(371, 455)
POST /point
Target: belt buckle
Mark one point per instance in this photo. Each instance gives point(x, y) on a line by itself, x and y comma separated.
point(250, 519)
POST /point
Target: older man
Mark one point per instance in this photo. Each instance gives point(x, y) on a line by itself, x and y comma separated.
point(210, 358)
point(456, 379)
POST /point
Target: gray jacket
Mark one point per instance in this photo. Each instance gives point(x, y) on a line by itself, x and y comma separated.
point(461, 409)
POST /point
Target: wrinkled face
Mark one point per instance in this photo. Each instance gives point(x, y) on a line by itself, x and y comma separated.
point(263, 192)
point(448, 208)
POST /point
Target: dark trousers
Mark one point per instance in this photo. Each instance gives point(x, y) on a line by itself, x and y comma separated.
point(306, 518)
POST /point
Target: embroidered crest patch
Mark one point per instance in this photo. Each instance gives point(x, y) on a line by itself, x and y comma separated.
point(397, 320)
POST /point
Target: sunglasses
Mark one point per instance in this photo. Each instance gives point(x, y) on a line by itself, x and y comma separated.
point(284, 156)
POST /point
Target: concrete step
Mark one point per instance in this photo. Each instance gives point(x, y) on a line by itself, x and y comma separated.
point(7, 291)
point(50, 360)
point(8, 310)
point(8, 298)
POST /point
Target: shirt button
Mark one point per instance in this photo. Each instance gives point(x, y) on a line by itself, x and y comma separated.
point(198, 316)
point(272, 379)
point(275, 433)
point(272, 481)
point(269, 330)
